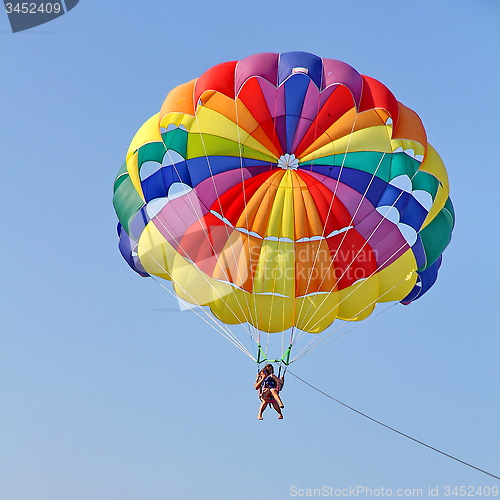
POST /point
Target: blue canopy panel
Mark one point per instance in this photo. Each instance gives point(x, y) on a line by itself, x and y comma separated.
point(425, 281)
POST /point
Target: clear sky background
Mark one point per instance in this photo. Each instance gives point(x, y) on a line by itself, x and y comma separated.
point(108, 391)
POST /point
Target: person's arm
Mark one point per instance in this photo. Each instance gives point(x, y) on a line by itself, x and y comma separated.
point(258, 382)
point(282, 382)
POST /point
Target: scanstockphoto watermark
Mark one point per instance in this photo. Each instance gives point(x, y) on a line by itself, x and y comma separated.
point(356, 491)
point(312, 263)
point(364, 491)
point(267, 259)
point(26, 15)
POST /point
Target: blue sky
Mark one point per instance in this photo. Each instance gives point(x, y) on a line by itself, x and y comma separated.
point(108, 391)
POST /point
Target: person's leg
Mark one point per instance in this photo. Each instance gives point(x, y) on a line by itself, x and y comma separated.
point(263, 406)
point(276, 396)
point(278, 409)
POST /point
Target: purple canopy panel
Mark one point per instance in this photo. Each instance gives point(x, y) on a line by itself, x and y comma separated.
point(356, 204)
point(178, 215)
point(274, 97)
point(312, 104)
point(384, 237)
point(209, 190)
point(264, 65)
point(340, 72)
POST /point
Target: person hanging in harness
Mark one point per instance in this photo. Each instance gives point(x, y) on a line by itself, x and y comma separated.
point(269, 385)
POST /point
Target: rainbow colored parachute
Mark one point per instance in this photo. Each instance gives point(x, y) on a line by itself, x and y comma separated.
point(284, 191)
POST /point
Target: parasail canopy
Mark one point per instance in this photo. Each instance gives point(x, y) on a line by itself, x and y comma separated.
point(283, 192)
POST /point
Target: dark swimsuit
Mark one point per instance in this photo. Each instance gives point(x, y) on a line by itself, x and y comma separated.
point(268, 383)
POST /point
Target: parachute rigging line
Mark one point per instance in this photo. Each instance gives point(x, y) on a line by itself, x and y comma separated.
point(240, 149)
point(202, 141)
point(219, 327)
point(372, 274)
point(203, 228)
point(380, 266)
point(394, 430)
point(323, 233)
point(229, 335)
point(226, 333)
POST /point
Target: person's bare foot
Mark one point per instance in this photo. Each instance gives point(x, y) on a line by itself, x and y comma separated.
point(282, 405)
point(280, 416)
point(260, 417)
